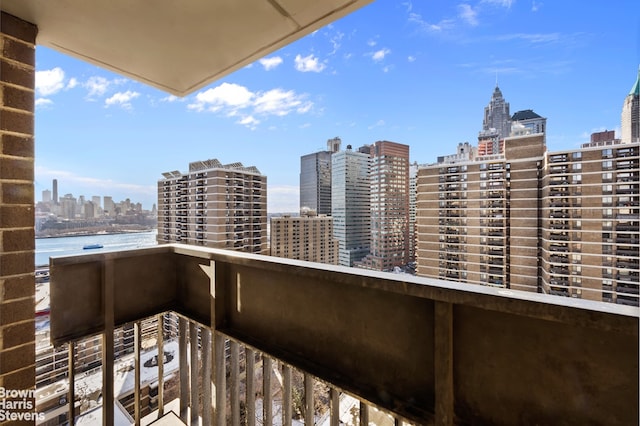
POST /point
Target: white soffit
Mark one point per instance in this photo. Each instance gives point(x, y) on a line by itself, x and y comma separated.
point(178, 46)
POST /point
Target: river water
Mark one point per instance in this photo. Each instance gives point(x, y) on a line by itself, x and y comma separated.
point(71, 246)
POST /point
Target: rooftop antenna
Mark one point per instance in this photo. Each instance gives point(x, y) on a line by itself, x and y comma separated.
point(496, 78)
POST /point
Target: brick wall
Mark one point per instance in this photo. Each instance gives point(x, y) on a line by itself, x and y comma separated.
point(17, 244)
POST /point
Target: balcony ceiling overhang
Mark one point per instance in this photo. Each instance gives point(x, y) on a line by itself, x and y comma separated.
point(175, 46)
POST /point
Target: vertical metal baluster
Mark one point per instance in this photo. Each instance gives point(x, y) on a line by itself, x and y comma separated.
point(206, 377)
point(136, 386)
point(335, 406)
point(71, 346)
point(184, 373)
point(287, 414)
point(267, 415)
point(193, 365)
point(220, 380)
point(250, 357)
point(308, 399)
point(107, 343)
point(235, 384)
point(160, 340)
point(364, 414)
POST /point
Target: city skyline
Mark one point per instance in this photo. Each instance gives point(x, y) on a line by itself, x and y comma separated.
point(407, 73)
point(47, 196)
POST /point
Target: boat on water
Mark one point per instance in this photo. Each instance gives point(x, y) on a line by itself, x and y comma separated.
point(92, 246)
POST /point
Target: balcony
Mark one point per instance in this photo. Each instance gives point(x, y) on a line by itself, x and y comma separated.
point(422, 350)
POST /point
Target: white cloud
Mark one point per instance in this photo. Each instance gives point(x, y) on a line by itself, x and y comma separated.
point(233, 100)
point(371, 43)
point(123, 99)
point(501, 3)
point(377, 124)
point(224, 96)
point(379, 55)
point(468, 14)
point(249, 121)
point(443, 25)
point(535, 6)
point(308, 63)
point(270, 63)
point(280, 103)
point(531, 38)
point(170, 99)
point(73, 82)
point(49, 82)
point(336, 42)
point(411, 58)
point(43, 102)
point(97, 86)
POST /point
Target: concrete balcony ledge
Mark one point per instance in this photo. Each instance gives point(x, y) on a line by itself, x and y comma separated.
point(426, 350)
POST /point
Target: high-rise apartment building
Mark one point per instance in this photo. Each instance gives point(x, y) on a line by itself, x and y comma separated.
point(350, 204)
point(630, 123)
point(214, 205)
point(478, 217)
point(413, 202)
point(307, 237)
point(562, 223)
point(389, 185)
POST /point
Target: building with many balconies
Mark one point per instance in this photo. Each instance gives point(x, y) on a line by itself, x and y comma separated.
point(214, 205)
point(477, 218)
point(563, 223)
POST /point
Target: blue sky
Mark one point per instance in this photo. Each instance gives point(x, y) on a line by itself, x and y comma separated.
point(418, 73)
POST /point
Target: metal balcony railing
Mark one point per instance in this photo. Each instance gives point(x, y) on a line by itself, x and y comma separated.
point(424, 351)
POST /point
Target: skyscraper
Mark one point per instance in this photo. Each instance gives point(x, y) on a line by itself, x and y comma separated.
point(496, 125)
point(630, 123)
point(214, 205)
point(55, 191)
point(389, 177)
point(496, 115)
point(315, 179)
point(350, 204)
